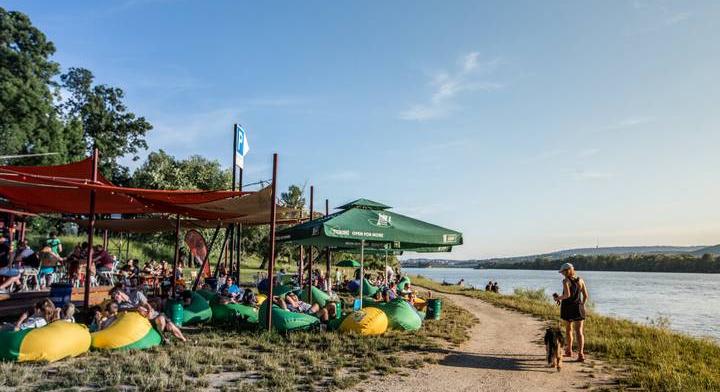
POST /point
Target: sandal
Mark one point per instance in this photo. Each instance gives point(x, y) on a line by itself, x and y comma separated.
point(568, 354)
point(581, 358)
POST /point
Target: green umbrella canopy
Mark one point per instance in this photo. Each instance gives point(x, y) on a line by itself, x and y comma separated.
point(370, 221)
point(348, 263)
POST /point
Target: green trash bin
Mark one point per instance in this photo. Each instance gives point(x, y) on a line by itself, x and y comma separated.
point(175, 312)
point(434, 309)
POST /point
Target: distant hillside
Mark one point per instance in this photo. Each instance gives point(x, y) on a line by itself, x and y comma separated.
point(696, 251)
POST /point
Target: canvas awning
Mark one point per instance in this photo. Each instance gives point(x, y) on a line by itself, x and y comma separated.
point(66, 189)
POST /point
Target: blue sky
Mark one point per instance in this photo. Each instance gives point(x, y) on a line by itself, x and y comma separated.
point(529, 126)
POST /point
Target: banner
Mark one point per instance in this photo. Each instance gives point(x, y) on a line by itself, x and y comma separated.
point(242, 146)
point(198, 250)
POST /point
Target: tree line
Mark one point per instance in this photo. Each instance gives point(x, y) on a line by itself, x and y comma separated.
point(638, 263)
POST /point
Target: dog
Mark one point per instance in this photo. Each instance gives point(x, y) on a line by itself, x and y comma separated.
point(554, 343)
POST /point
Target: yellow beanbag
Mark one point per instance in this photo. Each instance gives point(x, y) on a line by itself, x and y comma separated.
point(366, 322)
point(130, 331)
point(261, 298)
point(420, 304)
point(50, 343)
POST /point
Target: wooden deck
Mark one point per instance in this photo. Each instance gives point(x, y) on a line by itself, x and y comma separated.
point(14, 304)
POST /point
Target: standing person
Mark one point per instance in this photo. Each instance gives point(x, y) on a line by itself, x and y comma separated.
point(338, 278)
point(572, 308)
point(4, 252)
point(54, 243)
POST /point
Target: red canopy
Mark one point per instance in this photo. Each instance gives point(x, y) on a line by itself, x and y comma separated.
point(67, 188)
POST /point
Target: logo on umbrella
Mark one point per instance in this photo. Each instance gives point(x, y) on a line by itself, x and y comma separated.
point(383, 220)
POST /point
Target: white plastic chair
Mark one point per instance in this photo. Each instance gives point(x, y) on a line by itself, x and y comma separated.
point(108, 276)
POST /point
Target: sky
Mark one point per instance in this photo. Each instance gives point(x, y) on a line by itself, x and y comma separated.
point(529, 126)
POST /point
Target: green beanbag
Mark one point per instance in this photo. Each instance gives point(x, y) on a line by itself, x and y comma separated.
point(368, 289)
point(401, 315)
point(403, 282)
point(318, 296)
point(223, 313)
point(209, 296)
point(285, 320)
point(198, 311)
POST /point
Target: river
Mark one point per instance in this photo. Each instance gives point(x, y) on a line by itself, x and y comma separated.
point(689, 302)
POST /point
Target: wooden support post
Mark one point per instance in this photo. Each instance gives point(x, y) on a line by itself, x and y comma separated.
point(310, 249)
point(271, 264)
point(177, 256)
point(91, 230)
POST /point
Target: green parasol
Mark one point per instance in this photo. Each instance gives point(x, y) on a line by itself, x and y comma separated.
point(348, 263)
point(366, 225)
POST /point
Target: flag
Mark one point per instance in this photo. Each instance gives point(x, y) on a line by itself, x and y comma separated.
point(242, 147)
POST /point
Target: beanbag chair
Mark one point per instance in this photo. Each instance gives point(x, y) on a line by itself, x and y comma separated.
point(261, 298)
point(50, 343)
point(285, 320)
point(223, 313)
point(368, 289)
point(402, 283)
point(198, 311)
point(366, 322)
point(130, 331)
point(209, 296)
point(318, 296)
point(401, 315)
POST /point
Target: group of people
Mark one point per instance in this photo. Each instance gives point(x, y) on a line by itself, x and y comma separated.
point(492, 287)
point(43, 313)
point(41, 265)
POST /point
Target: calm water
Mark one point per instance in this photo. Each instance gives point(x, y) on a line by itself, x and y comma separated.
point(691, 302)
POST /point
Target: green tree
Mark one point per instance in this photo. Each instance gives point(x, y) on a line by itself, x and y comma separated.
point(107, 124)
point(163, 171)
point(29, 121)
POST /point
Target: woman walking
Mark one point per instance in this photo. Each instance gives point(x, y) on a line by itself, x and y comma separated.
point(572, 308)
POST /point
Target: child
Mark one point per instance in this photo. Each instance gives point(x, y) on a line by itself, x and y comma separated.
point(68, 313)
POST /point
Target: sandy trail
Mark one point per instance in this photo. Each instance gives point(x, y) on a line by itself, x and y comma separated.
point(504, 353)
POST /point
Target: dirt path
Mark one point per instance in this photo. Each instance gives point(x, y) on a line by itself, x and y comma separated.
point(504, 353)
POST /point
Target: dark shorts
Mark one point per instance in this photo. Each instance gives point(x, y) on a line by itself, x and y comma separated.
point(572, 312)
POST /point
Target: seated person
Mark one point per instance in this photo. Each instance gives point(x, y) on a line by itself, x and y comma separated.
point(111, 314)
point(294, 304)
point(42, 314)
point(127, 301)
point(103, 260)
point(249, 298)
point(12, 276)
point(67, 313)
point(230, 289)
point(378, 296)
point(160, 320)
point(390, 293)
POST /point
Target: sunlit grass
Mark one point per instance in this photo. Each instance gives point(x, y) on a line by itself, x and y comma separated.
point(227, 359)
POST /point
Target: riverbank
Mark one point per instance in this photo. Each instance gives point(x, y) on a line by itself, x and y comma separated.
point(652, 358)
point(224, 358)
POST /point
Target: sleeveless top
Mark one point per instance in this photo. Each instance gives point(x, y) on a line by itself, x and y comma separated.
point(572, 308)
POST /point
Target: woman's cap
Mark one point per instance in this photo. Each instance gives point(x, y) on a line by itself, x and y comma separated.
point(566, 267)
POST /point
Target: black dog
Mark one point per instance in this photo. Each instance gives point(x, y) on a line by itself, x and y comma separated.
point(554, 342)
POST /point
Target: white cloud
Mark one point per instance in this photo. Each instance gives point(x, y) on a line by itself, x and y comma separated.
point(630, 122)
point(446, 87)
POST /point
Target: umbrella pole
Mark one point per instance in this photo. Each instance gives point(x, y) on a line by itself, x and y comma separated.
point(362, 270)
point(386, 265)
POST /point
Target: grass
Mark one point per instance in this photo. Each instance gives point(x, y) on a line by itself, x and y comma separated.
point(226, 359)
point(653, 358)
